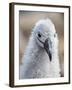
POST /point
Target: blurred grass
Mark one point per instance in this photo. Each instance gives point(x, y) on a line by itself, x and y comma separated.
point(27, 20)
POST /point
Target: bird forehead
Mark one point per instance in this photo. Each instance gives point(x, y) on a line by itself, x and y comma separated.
point(45, 26)
point(45, 29)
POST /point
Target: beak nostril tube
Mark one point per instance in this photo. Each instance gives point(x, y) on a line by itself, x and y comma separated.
point(47, 47)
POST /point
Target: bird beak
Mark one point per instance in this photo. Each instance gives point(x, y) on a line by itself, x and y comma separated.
point(47, 47)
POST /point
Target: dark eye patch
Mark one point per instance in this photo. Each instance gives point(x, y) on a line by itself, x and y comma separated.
point(39, 35)
point(55, 35)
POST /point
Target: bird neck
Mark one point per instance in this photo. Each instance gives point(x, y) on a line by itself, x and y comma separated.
point(55, 54)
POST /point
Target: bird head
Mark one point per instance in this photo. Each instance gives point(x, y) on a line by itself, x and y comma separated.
point(46, 36)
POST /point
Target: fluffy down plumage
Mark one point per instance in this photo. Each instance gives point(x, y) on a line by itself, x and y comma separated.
point(41, 58)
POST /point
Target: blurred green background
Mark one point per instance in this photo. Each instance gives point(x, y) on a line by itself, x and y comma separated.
point(27, 20)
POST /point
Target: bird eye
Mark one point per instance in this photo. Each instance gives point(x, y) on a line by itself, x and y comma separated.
point(55, 35)
point(39, 35)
